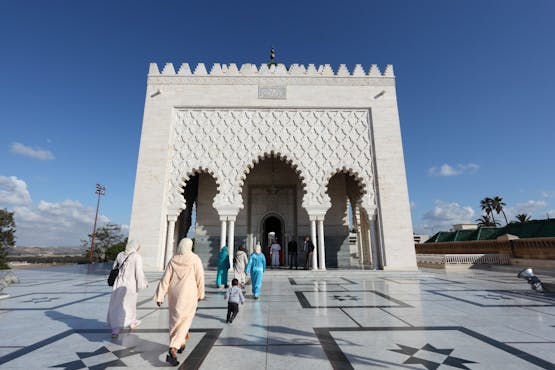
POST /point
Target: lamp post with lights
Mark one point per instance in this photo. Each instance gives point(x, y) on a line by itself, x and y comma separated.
point(100, 190)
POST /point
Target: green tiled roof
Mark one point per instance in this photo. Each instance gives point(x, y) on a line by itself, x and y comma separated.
point(530, 229)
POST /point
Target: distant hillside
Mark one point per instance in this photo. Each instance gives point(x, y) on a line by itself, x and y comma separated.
point(45, 251)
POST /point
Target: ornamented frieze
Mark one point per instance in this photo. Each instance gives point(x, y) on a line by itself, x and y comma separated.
point(227, 143)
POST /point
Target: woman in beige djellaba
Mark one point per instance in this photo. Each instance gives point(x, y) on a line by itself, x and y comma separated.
point(183, 281)
point(122, 311)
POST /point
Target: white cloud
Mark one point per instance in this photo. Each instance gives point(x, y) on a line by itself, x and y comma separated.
point(534, 208)
point(27, 151)
point(412, 205)
point(444, 215)
point(13, 191)
point(63, 223)
point(530, 206)
point(55, 224)
point(448, 170)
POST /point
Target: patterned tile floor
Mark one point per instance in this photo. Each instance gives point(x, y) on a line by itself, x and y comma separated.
point(339, 319)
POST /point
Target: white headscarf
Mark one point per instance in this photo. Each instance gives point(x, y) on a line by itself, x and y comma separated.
point(257, 248)
point(132, 246)
point(185, 246)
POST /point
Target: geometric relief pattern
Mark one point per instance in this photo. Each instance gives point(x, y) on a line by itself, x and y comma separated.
point(228, 142)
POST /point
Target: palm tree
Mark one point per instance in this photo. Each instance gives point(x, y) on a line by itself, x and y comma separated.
point(498, 204)
point(523, 217)
point(485, 221)
point(486, 205)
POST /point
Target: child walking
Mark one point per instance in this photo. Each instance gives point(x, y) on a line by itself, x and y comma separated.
point(234, 295)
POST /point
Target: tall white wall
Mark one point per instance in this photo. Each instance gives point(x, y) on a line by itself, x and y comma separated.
point(392, 194)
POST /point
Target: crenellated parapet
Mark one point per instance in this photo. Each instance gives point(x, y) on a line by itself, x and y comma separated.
point(280, 70)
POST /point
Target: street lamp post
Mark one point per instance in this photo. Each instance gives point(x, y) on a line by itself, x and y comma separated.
point(100, 190)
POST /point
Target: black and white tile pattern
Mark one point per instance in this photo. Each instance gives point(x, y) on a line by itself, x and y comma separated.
point(309, 320)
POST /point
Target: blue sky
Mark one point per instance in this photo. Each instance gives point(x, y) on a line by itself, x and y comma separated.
point(474, 81)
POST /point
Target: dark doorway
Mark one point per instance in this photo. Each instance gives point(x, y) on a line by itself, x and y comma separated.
point(271, 223)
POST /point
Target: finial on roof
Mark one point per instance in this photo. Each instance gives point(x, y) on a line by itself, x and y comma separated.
point(272, 57)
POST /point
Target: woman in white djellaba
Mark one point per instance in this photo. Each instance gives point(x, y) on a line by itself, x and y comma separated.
point(122, 311)
point(183, 282)
point(240, 262)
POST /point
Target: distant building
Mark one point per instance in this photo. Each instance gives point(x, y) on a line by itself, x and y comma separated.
point(420, 238)
point(530, 229)
point(458, 227)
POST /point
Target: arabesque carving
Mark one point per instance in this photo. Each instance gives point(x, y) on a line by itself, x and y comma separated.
point(226, 142)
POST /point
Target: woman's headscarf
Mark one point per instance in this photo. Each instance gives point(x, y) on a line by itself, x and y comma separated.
point(132, 246)
point(185, 246)
point(257, 248)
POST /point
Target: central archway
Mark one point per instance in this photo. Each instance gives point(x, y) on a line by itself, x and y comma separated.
point(272, 193)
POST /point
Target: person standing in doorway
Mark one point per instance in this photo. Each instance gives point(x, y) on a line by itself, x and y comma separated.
point(308, 249)
point(292, 251)
point(256, 268)
point(274, 252)
point(239, 264)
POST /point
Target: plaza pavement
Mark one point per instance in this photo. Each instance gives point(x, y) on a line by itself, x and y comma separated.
point(339, 319)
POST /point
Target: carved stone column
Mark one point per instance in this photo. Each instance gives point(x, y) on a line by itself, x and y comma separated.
point(358, 225)
point(321, 245)
point(223, 232)
point(374, 240)
point(172, 218)
point(314, 241)
point(231, 241)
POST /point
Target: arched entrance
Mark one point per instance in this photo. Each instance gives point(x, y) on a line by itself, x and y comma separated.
point(272, 194)
point(344, 244)
point(200, 219)
point(272, 224)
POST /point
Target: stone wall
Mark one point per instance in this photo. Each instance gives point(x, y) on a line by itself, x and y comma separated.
point(530, 248)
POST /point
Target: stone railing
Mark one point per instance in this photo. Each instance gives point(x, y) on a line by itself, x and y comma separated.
point(464, 259)
point(532, 248)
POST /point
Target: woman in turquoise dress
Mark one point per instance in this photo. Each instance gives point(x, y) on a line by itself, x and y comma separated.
point(223, 267)
point(256, 268)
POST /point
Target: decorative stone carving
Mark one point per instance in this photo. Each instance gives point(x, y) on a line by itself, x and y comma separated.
point(228, 143)
point(249, 69)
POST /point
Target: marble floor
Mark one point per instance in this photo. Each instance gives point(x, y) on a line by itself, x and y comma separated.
point(339, 319)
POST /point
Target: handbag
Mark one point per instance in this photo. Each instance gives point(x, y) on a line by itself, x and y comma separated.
point(115, 272)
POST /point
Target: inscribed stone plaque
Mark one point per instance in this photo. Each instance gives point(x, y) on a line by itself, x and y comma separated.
point(272, 92)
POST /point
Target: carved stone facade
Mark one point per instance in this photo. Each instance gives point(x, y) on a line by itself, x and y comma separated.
point(320, 125)
point(229, 142)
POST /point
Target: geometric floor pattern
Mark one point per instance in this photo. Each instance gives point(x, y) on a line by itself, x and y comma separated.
point(339, 319)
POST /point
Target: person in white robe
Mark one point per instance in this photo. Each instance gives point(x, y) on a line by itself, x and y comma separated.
point(274, 251)
point(122, 310)
point(240, 262)
point(183, 282)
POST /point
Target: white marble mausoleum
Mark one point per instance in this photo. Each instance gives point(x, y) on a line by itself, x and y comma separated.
point(232, 154)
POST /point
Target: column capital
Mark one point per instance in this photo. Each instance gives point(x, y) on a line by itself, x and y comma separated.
point(227, 212)
point(173, 215)
point(317, 211)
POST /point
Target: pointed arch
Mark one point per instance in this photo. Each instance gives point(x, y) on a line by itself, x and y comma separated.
point(267, 155)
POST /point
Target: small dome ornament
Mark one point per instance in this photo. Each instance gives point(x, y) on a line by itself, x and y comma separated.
point(272, 62)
